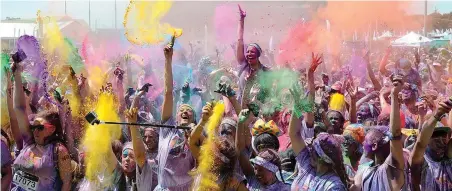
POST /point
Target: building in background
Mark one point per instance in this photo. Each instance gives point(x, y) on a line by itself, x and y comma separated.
point(13, 28)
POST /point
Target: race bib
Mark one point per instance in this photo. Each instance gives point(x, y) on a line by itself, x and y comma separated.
point(25, 180)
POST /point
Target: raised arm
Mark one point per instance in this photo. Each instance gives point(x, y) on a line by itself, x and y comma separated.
point(315, 62)
point(295, 127)
point(12, 114)
point(417, 155)
point(240, 142)
point(370, 72)
point(240, 54)
point(395, 158)
point(19, 102)
point(168, 102)
point(137, 141)
point(352, 92)
point(384, 61)
point(196, 134)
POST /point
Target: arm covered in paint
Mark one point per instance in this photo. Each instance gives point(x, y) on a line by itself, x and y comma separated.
point(241, 140)
point(240, 52)
point(296, 139)
point(168, 102)
point(12, 114)
point(417, 155)
point(315, 62)
point(370, 72)
point(19, 102)
point(196, 135)
point(395, 159)
point(137, 141)
point(64, 168)
point(384, 61)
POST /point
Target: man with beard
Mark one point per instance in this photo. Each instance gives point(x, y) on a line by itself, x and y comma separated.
point(431, 158)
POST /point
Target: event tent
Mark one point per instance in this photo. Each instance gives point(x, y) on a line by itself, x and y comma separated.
point(411, 39)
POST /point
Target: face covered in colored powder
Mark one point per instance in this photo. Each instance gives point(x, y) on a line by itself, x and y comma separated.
point(128, 160)
point(227, 130)
point(337, 123)
point(151, 138)
point(185, 115)
point(41, 130)
point(252, 54)
point(438, 145)
point(363, 113)
point(263, 175)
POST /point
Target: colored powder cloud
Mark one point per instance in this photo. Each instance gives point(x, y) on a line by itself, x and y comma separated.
point(142, 22)
point(98, 138)
point(225, 23)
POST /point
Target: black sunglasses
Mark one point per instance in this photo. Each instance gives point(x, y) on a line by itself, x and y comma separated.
point(38, 127)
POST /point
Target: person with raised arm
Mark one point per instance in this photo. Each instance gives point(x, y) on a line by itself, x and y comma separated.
point(174, 159)
point(44, 162)
point(248, 61)
point(321, 166)
point(387, 171)
point(431, 157)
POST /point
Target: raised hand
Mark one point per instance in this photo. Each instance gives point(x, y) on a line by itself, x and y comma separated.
point(225, 90)
point(244, 116)
point(316, 61)
point(242, 12)
point(131, 115)
point(168, 52)
point(397, 83)
point(145, 88)
point(119, 73)
point(352, 91)
point(206, 112)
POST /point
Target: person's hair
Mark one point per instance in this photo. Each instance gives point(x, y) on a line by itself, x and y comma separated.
point(332, 148)
point(374, 111)
point(224, 168)
point(288, 160)
point(374, 135)
point(53, 118)
point(266, 141)
point(117, 146)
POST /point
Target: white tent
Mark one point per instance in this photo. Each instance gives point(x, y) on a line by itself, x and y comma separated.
point(411, 39)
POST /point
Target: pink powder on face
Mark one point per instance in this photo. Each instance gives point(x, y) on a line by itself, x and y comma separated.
point(225, 23)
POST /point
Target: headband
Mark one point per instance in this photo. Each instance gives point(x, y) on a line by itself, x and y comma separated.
point(264, 163)
point(259, 49)
point(229, 121)
point(318, 149)
point(126, 146)
point(261, 127)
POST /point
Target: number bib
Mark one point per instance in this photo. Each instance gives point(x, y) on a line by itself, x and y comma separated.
point(25, 180)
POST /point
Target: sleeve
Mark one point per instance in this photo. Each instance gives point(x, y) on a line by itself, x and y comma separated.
point(6, 154)
point(145, 177)
point(303, 160)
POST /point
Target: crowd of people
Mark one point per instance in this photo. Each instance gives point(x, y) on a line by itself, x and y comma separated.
point(388, 130)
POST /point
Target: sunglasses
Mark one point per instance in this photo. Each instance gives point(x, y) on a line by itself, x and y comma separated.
point(39, 127)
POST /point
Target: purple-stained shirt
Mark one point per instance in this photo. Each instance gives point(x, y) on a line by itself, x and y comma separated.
point(308, 180)
point(6, 155)
point(245, 73)
point(254, 185)
point(436, 175)
point(175, 175)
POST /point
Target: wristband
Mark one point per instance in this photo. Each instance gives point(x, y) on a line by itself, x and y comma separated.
point(438, 118)
point(395, 138)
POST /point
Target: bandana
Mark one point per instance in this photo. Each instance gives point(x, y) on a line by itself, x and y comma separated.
point(261, 127)
point(259, 49)
point(264, 163)
point(229, 121)
point(318, 149)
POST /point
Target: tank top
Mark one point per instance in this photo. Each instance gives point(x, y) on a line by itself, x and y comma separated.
point(36, 173)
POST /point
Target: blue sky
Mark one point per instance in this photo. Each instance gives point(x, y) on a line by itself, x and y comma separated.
point(102, 11)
